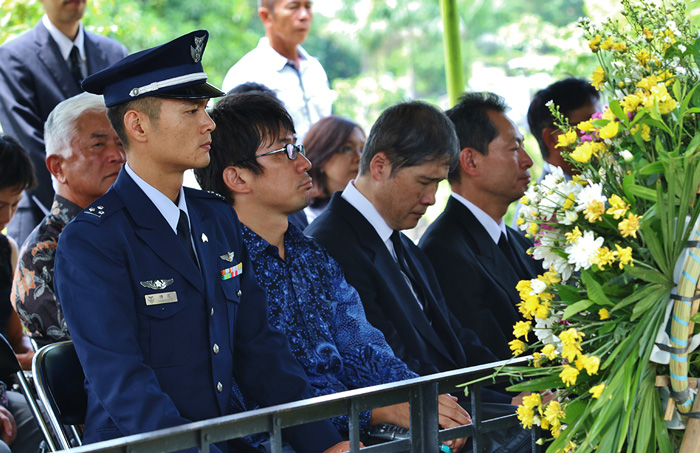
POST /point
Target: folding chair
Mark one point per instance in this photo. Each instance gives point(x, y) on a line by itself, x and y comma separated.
point(59, 382)
point(9, 366)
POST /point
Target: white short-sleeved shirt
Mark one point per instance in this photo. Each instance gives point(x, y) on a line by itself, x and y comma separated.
point(305, 93)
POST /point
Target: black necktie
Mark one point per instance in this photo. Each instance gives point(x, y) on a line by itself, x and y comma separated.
point(183, 234)
point(409, 270)
point(74, 60)
point(507, 249)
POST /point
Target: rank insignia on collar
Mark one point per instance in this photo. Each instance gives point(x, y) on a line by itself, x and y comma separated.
point(198, 48)
point(227, 257)
point(157, 284)
point(205, 238)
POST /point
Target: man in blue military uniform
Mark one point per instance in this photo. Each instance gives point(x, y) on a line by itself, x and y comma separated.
point(155, 282)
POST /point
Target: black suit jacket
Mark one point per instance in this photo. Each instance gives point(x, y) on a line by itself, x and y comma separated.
point(34, 77)
point(389, 303)
point(477, 279)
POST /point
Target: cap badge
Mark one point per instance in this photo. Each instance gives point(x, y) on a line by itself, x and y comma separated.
point(198, 48)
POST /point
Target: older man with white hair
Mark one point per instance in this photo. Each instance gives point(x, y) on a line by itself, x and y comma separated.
point(84, 156)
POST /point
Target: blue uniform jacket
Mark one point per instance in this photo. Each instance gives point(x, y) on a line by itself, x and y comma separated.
point(151, 365)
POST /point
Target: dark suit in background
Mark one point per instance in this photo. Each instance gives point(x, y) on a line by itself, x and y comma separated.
point(389, 303)
point(34, 78)
point(476, 278)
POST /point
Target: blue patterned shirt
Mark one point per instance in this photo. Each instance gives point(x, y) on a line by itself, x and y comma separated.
point(322, 317)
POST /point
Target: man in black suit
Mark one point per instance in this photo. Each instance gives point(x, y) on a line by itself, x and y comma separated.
point(477, 258)
point(39, 69)
point(411, 148)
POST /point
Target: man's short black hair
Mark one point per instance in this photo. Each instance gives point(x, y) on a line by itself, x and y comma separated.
point(244, 123)
point(569, 94)
point(472, 123)
point(410, 134)
point(16, 168)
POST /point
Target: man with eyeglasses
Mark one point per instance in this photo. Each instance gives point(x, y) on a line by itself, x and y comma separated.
point(257, 167)
point(156, 285)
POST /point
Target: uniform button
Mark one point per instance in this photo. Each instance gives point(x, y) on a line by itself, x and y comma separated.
point(215, 348)
point(219, 387)
point(239, 293)
point(212, 312)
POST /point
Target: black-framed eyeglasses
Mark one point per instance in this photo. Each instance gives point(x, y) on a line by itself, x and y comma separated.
point(291, 149)
point(347, 148)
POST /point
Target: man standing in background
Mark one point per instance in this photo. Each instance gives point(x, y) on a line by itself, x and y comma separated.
point(39, 69)
point(280, 63)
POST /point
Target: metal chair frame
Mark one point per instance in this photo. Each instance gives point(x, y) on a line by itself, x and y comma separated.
point(10, 366)
point(71, 385)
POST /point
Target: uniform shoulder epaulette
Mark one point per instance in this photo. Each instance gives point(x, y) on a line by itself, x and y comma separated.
point(100, 208)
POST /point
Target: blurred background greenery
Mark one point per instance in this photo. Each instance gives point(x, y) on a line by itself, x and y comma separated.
point(376, 52)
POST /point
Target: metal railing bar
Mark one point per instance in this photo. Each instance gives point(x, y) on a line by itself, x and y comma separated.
point(300, 412)
point(395, 446)
point(276, 434)
point(354, 427)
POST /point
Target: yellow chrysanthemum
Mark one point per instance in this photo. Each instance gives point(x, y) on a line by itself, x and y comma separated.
point(643, 56)
point(554, 413)
point(567, 138)
point(591, 363)
point(571, 335)
point(646, 132)
point(526, 415)
point(570, 351)
point(521, 329)
point(528, 307)
point(648, 35)
point(586, 126)
point(619, 46)
point(517, 346)
point(624, 256)
point(525, 201)
point(618, 208)
point(532, 400)
point(569, 202)
point(604, 314)
point(598, 78)
point(573, 236)
point(630, 103)
point(569, 375)
point(594, 44)
point(605, 45)
point(603, 257)
point(551, 277)
point(533, 228)
point(596, 390)
point(537, 359)
point(577, 179)
point(550, 351)
point(571, 446)
point(542, 310)
point(594, 211)
point(630, 225)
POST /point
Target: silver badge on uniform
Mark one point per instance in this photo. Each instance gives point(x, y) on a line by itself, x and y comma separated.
point(205, 238)
point(227, 257)
point(157, 284)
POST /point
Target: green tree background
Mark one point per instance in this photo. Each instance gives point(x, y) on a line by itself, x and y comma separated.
point(376, 52)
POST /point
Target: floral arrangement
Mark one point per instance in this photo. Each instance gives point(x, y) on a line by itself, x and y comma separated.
point(615, 241)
